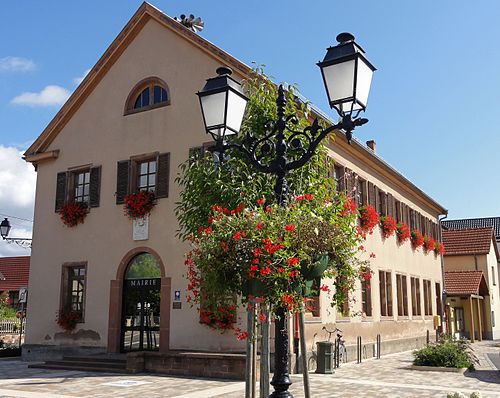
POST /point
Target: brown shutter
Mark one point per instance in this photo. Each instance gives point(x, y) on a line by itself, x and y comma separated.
point(61, 184)
point(122, 180)
point(383, 202)
point(371, 194)
point(390, 205)
point(95, 186)
point(397, 210)
point(163, 182)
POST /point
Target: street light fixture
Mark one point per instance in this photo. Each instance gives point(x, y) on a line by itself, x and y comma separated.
point(4, 233)
point(347, 76)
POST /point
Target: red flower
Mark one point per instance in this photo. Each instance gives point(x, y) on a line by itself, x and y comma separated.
point(261, 201)
point(429, 244)
point(368, 218)
point(439, 248)
point(262, 317)
point(269, 209)
point(349, 206)
point(388, 225)
point(372, 255)
point(290, 228)
point(292, 261)
point(260, 226)
point(416, 238)
point(138, 205)
point(237, 235)
point(73, 214)
point(325, 288)
point(309, 196)
point(293, 273)
point(403, 232)
point(265, 271)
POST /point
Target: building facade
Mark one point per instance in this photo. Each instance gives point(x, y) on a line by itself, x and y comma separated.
point(14, 275)
point(126, 128)
point(471, 283)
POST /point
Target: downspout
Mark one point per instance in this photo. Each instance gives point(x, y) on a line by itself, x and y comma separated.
point(444, 320)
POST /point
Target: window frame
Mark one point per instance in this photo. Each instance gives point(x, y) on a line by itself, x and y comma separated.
point(66, 302)
point(426, 284)
point(73, 185)
point(385, 288)
point(149, 83)
point(416, 300)
point(366, 298)
point(135, 164)
point(402, 295)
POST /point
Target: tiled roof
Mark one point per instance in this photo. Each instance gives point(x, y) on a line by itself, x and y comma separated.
point(15, 271)
point(469, 223)
point(467, 241)
point(465, 283)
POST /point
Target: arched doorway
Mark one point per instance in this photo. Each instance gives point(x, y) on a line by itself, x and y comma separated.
point(116, 299)
point(140, 326)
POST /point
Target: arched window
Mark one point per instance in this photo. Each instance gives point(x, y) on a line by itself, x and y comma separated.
point(148, 94)
point(143, 265)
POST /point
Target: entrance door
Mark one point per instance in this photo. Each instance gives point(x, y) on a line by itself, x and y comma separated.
point(141, 305)
point(459, 319)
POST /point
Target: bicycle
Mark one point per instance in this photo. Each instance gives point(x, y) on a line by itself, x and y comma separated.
point(340, 351)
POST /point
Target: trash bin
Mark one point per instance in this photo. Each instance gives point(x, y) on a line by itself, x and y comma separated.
point(325, 357)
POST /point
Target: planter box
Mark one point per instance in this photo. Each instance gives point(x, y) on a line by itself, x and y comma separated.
point(438, 369)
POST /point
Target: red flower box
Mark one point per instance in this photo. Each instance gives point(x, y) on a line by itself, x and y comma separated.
point(439, 248)
point(428, 243)
point(403, 232)
point(68, 320)
point(138, 205)
point(416, 238)
point(388, 225)
point(73, 214)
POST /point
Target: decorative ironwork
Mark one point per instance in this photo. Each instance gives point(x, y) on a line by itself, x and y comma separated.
point(23, 242)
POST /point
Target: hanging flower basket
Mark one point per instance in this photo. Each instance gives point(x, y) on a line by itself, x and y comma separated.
point(416, 238)
point(402, 232)
point(429, 244)
point(368, 218)
point(388, 225)
point(439, 248)
point(68, 319)
point(74, 213)
point(139, 205)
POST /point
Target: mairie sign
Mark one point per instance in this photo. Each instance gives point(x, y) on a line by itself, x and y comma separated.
point(148, 283)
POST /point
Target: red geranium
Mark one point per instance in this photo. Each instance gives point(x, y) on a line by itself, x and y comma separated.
point(368, 218)
point(416, 238)
point(138, 205)
point(73, 213)
point(403, 232)
point(428, 243)
point(349, 206)
point(439, 248)
point(388, 225)
point(223, 318)
point(68, 319)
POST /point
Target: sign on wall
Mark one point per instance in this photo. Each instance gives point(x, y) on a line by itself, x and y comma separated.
point(140, 229)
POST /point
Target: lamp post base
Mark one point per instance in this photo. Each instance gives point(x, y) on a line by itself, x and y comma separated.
point(281, 379)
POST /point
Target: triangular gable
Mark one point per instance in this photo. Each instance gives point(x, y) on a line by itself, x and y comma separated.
point(145, 12)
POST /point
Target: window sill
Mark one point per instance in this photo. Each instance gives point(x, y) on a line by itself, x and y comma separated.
point(312, 320)
point(386, 319)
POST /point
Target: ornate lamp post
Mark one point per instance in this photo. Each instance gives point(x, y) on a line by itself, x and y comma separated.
point(4, 233)
point(347, 76)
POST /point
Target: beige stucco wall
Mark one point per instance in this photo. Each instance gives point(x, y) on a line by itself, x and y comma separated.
point(99, 134)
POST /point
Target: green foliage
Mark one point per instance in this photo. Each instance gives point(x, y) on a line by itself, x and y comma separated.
point(237, 181)
point(6, 311)
point(447, 353)
point(143, 266)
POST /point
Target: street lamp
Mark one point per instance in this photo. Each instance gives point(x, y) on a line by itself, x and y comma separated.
point(347, 77)
point(4, 233)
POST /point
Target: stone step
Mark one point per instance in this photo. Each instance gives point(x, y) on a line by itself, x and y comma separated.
point(77, 367)
point(97, 359)
point(93, 364)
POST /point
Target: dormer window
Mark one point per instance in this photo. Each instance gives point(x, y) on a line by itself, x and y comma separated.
point(148, 94)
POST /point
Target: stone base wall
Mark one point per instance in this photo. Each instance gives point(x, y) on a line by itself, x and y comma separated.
point(225, 366)
point(43, 352)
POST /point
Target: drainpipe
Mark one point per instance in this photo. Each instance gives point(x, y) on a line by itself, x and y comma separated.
point(443, 296)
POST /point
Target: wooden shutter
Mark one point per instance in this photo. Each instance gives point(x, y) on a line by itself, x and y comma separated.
point(341, 178)
point(397, 210)
point(390, 205)
point(162, 184)
point(122, 180)
point(95, 186)
point(371, 194)
point(383, 202)
point(61, 184)
point(349, 182)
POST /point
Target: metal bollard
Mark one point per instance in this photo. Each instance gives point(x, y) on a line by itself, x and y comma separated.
point(378, 345)
point(359, 349)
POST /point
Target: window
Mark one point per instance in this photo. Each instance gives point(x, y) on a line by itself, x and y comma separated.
point(397, 214)
point(385, 293)
point(382, 203)
point(149, 172)
point(427, 297)
point(73, 288)
point(361, 197)
point(366, 298)
point(415, 296)
point(493, 276)
point(402, 294)
point(82, 184)
point(339, 173)
point(438, 299)
point(148, 94)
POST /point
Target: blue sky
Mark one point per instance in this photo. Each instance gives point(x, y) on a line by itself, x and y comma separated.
point(433, 101)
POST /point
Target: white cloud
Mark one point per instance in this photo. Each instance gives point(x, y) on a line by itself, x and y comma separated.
point(17, 196)
point(49, 96)
point(78, 80)
point(16, 64)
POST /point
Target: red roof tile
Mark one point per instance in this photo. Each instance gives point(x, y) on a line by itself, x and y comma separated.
point(468, 241)
point(15, 270)
point(465, 283)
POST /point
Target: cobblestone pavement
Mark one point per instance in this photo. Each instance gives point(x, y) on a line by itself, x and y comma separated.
point(387, 377)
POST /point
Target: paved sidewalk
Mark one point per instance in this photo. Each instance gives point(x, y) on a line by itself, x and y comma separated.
point(388, 377)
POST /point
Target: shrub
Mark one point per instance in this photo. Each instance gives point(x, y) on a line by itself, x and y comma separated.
point(447, 354)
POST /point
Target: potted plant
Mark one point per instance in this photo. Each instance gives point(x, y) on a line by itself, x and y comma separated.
point(68, 319)
point(429, 244)
point(139, 205)
point(73, 213)
point(388, 226)
point(402, 232)
point(416, 238)
point(368, 218)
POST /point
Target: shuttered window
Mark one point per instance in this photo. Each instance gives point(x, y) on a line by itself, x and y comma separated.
point(385, 293)
point(80, 185)
point(402, 294)
point(366, 297)
point(427, 297)
point(415, 296)
point(151, 173)
point(339, 172)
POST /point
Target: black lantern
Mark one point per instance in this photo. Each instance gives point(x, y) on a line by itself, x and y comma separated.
point(5, 228)
point(347, 75)
point(222, 104)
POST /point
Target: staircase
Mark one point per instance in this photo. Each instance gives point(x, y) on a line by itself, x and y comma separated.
point(96, 363)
